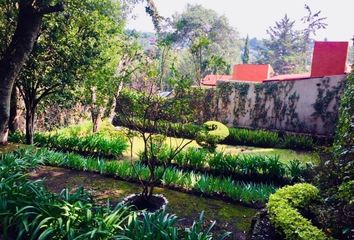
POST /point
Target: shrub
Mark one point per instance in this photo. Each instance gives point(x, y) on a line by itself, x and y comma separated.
point(265, 168)
point(257, 138)
point(297, 142)
point(95, 144)
point(212, 134)
point(29, 211)
point(282, 208)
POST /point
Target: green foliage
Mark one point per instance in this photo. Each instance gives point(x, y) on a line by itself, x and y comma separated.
point(248, 193)
point(282, 208)
point(337, 170)
point(29, 211)
point(213, 133)
point(257, 138)
point(266, 168)
point(95, 144)
point(297, 142)
point(163, 226)
point(208, 37)
point(263, 138)
point(246, 53)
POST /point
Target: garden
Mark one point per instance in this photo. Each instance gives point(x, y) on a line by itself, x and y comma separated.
point(106, 133)
point(123, 182)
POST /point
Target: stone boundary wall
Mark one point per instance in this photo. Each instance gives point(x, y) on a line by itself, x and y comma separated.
point(302, 106)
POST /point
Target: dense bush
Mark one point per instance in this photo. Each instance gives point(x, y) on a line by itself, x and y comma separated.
point(245, 166)
point(29, 211)
point(297, 142)
point(257, 138)
point(263, 138)
point(283, 211)
point(336, 171)
point(188, 181)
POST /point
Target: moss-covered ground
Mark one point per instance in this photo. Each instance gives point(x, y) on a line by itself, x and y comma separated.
point(229, 217)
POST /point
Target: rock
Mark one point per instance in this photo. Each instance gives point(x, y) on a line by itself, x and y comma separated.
point(262, 229)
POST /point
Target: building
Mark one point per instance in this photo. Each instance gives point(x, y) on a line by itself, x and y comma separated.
point(329, 59)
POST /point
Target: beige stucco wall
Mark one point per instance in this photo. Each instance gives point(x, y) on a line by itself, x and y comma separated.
point(306, 106)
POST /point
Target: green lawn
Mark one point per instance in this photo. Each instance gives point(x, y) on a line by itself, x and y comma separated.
point(284, 154)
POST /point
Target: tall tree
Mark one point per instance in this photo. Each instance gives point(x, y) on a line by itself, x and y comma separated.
point(71, 48)
point(246, 52)
point(282, 49)
point(205, 34)
point(288, 50)
point(29, 21)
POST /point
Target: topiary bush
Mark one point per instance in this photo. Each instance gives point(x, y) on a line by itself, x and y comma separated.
point(212, 133)
point(283, 212)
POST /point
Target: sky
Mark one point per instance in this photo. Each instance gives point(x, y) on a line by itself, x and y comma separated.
point(254, 17)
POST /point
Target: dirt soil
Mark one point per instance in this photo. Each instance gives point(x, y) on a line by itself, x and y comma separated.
point(229, 217)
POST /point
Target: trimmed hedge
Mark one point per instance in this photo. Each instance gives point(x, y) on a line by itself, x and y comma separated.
point(283, 213)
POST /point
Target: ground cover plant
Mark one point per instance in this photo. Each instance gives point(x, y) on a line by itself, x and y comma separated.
point(29, 211)
point(246, 167)
point(92, 144)
point(248, 193)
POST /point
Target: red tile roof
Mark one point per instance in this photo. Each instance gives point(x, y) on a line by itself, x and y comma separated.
point(210, 80)
point(289, 77)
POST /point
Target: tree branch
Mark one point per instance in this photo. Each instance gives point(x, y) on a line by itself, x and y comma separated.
point(51, 9)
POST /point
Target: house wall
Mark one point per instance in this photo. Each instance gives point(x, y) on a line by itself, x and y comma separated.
point(302, 106)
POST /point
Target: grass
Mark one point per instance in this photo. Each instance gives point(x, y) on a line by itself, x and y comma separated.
point(285, 155)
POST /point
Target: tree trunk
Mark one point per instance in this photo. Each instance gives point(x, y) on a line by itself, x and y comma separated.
point(96, 121)
point(29, 23)
point(95, 111)
point(30, 114)
point(13, 121)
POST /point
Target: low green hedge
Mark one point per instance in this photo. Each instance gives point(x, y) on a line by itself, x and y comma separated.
point(93, 144)
point(253, 167)
point(249, 193)
point(282, 208)
point(29, 211)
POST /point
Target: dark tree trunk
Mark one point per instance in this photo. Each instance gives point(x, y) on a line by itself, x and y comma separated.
point(30, 114)
point(13, 121)
point(28, 26)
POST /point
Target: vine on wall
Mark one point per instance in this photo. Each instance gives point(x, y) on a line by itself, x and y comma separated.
point(240, 100)
point(271, 105)
point(325, 96)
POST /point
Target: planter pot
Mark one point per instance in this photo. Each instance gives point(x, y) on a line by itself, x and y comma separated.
point(155, 203)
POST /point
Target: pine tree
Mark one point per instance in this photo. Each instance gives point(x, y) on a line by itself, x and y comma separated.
point(246, 53)
point(282, 49)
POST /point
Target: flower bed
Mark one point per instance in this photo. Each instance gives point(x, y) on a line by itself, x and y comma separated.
point(225, 188)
